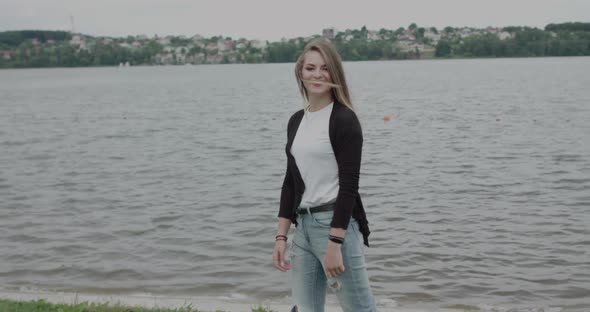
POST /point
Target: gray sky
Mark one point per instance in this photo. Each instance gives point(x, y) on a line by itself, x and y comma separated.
point(274, 19)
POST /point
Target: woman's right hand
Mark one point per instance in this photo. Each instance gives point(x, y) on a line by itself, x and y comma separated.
point(278, 256)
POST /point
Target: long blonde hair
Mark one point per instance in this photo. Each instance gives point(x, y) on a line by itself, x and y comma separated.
point(334, 63)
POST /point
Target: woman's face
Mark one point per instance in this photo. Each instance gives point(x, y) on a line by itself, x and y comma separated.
point(315, 69)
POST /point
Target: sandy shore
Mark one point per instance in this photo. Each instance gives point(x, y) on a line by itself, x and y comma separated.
point(228, 304)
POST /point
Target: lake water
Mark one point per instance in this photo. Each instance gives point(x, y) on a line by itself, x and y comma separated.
point(166, 180)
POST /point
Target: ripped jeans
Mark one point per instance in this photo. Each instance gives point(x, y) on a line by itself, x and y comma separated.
point(308, 279)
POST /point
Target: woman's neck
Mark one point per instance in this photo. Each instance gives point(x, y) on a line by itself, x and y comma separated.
point(316, 103)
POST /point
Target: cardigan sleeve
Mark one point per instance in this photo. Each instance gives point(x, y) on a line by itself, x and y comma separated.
point(348, 151)
point(286, 204)
point(288, 188)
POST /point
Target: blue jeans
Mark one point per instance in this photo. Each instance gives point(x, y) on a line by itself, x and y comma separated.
point(308, 279)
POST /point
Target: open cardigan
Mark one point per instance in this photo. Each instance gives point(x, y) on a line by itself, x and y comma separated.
point(346, 138)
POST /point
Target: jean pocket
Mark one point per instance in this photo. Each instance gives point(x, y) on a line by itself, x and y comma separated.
point(322, 219)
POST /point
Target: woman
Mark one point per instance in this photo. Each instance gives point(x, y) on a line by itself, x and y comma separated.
point(320, 191)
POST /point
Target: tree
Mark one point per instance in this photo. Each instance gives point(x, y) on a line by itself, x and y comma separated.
point(512, 29)
point(443, 49)
point(194, 50)
point(420, 33)
point(384, 33)
point(568, 27)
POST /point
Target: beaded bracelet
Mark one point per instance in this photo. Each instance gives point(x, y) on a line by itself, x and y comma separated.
point(337, 239)
point(281, 237)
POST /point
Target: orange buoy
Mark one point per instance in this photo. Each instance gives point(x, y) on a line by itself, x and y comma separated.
point(386, 118)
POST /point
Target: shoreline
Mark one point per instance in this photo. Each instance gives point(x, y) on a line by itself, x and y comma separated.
point(266, 63)
point(219, 303)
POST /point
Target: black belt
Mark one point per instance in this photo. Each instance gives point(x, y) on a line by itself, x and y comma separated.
point(321, 208)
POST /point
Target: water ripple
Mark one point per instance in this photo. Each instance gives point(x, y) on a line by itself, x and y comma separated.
point(476, 190)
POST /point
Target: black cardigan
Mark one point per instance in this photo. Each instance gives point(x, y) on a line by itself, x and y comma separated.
point(346, 138)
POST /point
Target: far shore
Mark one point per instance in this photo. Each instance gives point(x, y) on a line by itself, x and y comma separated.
point(250, 64)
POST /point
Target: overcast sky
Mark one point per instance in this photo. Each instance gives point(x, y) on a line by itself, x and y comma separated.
point(274, 19)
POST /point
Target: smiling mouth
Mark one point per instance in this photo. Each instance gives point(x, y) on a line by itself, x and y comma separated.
point(318, 83)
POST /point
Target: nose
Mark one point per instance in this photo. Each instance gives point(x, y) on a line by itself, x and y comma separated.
point(317, 73)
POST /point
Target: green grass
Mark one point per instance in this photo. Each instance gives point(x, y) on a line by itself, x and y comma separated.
point(44, 306)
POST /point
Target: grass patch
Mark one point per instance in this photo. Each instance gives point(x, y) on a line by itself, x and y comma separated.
point(44, 306)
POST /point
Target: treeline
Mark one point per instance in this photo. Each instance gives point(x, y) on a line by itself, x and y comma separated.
point(33, 48)
point(354, 50)
point(36, 48)
point(568, 27)
point(11, 39)
point(70, 56)
point(569, 39)
point(357, 45)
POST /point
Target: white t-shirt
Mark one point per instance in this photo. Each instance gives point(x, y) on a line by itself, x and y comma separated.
point(315, 158)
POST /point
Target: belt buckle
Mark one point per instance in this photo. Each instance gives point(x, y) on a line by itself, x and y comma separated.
point(304, 210)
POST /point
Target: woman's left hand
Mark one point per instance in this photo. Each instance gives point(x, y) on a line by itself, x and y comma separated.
point(333, 264)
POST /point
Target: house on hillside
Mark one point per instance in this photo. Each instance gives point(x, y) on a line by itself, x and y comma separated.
point(504, 35)
point(373, 35)
point(466, 32)
point(211, 46)
point(164, 41)
point(76, 40)
point(7, 54)
point(432, 36)
point(258, 44)
point(79, 41)
point(493, 30)
point(328, 33)
point(229, 45)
